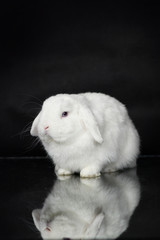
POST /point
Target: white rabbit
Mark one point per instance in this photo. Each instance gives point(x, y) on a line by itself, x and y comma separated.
point(98, 208)
point(88, 133)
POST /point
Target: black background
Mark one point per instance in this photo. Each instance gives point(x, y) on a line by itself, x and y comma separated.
point(48, 48)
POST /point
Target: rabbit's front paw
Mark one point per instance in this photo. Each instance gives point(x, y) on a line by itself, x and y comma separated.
point(63, 172)
point(89, 172)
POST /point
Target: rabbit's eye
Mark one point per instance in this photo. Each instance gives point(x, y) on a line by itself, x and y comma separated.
point(64, 114)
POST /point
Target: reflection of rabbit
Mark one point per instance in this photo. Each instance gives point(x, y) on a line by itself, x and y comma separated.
point(89, 208)
point(87, 133)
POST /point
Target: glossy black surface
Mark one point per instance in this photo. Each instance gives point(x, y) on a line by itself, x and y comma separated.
point(26, 182)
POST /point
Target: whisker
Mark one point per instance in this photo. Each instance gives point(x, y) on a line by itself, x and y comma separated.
point(40, 105)
point(33, 145)
point(30, 224)
point(38, 109)
point(36, 98)
point(26, 129)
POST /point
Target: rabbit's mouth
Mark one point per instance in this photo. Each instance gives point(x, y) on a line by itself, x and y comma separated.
point(58, 137)
point(46, 138)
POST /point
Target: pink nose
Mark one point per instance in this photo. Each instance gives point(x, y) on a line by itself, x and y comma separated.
point(46, 127)
point(48, 229)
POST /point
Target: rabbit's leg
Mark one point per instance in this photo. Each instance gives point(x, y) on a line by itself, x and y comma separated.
point(94, 183)
point(63, 172)
point(90, 171)
point(118, 166)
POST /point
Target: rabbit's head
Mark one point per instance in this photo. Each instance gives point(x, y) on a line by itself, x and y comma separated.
point(66, 225)
point(63, 117)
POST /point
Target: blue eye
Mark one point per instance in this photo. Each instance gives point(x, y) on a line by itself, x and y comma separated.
point(64, 114)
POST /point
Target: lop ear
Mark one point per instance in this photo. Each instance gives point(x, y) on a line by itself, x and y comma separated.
point(36, 217)
point(34, 130)
point(90, 123)
point(94, 227)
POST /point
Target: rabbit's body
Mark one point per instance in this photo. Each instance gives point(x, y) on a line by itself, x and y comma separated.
point(97, 134)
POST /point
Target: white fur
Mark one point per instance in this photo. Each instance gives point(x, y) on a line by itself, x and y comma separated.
point(96, 136)
point(98, 208)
